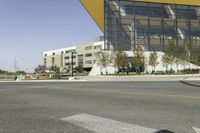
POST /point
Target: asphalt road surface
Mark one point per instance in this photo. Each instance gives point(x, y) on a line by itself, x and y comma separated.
point(104, 107)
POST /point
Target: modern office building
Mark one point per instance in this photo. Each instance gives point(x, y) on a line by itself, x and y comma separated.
point(150, 23)
point(84, 56)
point(153, 24)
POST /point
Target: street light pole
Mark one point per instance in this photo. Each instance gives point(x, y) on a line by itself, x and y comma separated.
point(189, 59)
point(72, 64)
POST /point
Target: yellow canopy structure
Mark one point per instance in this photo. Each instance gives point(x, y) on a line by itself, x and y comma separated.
point(96, 10)
point(96, 7)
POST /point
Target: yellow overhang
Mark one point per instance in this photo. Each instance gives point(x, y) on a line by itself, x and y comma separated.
point(179, 2)
point(96, 10)
point(96, 7)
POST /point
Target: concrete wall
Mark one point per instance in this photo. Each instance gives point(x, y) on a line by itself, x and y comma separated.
point(96, 70)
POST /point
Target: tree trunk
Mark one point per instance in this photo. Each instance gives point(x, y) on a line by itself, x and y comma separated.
point(138, 70)
point(177, 68)
point(171, 67)
point(106, 71)
point(101, 70)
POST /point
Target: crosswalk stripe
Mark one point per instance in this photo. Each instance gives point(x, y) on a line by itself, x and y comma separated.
point(104, 125)
point(197, 130)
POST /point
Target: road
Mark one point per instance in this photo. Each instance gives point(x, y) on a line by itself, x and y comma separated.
point(78, 107)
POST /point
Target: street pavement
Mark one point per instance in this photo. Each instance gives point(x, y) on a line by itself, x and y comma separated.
point(104, 107)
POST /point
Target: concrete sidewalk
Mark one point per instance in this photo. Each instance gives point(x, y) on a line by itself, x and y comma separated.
point(143, 78)
point(39, 81)
point(146, 78)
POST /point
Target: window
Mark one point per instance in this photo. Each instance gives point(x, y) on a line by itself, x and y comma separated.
point(69, 63)
point(149, 24)
point(66, 57)
point(88, 55)
point(88, 48)
point(80, 56)
point(97, 47)
point(45, 55)
point(53, 53)
point(88, 62)
point(80, 60)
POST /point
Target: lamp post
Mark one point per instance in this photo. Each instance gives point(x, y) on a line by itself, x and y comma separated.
point(189, 54)
point(72, 62)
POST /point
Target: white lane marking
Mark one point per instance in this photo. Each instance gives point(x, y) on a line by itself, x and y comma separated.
point(197, 130)
point(104, 125)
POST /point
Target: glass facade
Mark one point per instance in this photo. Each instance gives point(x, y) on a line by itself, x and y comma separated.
point(152, 25)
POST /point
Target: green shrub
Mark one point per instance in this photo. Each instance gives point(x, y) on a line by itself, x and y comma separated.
point(190, 71)
point(159, 73)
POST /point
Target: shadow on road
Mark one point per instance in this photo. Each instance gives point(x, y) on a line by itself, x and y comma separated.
point(190, 84)
point(164, 131)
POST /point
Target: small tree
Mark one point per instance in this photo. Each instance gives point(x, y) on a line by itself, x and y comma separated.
point(56, 71)
point(187, 50)
point(3, 72)
point(115, 59)
point(177, 59)
point(123, 61)
point(21, 73)
point(66, 70)
point(177, 62)
point(153, 60)
point(79, 69)
point(166, 60)
point(195, 58)
point(170, 54)
point(138, 57)
point(41, 69)
point(184, 55)
point(103, 60)
point(119, 59)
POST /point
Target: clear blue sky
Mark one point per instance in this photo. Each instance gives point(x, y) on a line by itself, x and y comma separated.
point(29, 27)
